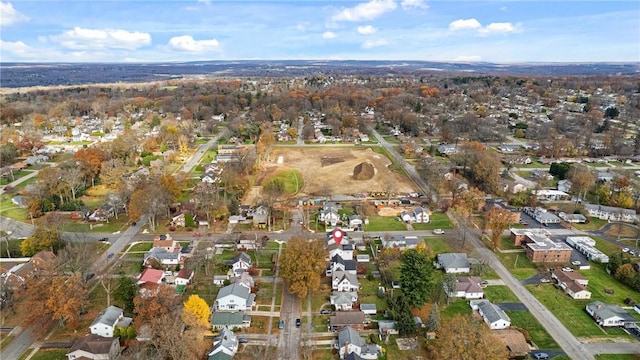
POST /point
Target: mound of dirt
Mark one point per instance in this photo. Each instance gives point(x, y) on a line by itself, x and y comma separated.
point(364, 171)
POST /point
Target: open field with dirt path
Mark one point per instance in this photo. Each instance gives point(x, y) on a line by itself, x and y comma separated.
point(330, 170)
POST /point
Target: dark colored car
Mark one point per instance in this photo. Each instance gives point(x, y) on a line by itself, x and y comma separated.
point(325, 312)
point(110, 256)
point(540, 355)
point(298, 322)
point(243, 340)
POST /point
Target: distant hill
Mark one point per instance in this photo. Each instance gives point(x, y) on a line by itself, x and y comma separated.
point(49, 74)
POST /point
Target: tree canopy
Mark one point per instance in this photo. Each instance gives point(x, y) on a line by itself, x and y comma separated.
point(196, 312)
point(416, 277)
point(302, 265)
point(465, 338)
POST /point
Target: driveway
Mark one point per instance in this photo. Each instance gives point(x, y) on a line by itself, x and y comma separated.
point(512, 306)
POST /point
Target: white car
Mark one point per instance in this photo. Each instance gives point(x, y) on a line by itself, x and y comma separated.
point(567, 269)
point(438, 231)
point(625, 250)
point(575, 263)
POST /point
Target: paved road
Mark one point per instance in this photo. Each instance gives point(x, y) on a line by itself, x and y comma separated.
point(572, 347)
point(195, 159)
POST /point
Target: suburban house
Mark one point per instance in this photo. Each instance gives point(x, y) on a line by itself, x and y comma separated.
point(151, 276)
point(343, 301)
point(345, 251)
point(234, 297)
point(225, 345)
point(453, 263)
point(344, 281)
point(355, 222)
point(166, 243)
point(512, 187)
point(14, 275)
point(400, 241)
point(386, 328)
point(421, 215)
point(219, 280)
point(573, 218)
point(108, 320)
point(94, 347)
point(607, 315)
point(245, 280)
point(247, 242)
point(161, 256)
point(103, 213)
point(184, 276)
point(448, 149)
point(565, 185)
point(329, 214)
point(611, 213)
point(495, 317)
point(239, 264)
point(339, 264)
point(231, 320)
point(573, 284)
point(342, 319)
point(349, 341)
point(466, 287)
point(260, 217)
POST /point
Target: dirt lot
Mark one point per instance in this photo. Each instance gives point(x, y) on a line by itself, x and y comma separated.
point(330, 170)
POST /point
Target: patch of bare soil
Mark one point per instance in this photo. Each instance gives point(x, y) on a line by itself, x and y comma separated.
point(330, 170)
point(405, 344)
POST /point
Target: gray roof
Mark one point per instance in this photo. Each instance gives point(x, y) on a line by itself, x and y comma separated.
point(225, 339)
point(348, 264)
point(93, 344)
point(341, 275)
point(453, 260)
point(351, 336)
point(606, 311)
point(242, 256)
point(234, 289)
point(223, 318)
point(342, 297)
point(161, 254)
point(108, 316)
point(364, 307)
point(491, 312)
point(610, 209)
point(386, 324)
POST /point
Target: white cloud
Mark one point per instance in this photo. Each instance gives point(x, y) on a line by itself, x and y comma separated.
point(470, 58)
point(329, 35)
point(9, 15)
point(189, 44)
point(16, 47)
point(498, 28)
point(87, 39)
point(365, 11)
point(302, 26)
point(413, 4)
point(504, 8)
point(374, 43)
point(465, 24)
point(207, 2)
point(366, 30)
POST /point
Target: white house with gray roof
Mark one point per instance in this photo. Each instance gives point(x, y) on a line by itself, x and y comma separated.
point(495, 317)
point(607, 315)
point(344, 281)
point(224, 344)
point(453, 263)
point(108, 320)
point(349, 341)
point(611, 213)
point(234, 297)
point(343, 300)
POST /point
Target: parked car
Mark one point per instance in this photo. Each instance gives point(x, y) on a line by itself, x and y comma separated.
point(243, 340)
point(522, 222)
point(298, 322)
point(540, 355)
point(632, 252)
point(576, 263)
point(110, 255)
point(325, 312)
point(484, 283)
point(567, 269)
point(104, 239)
point(544, 280)
point(625, 250)
point(438, 231)
point(281, 324)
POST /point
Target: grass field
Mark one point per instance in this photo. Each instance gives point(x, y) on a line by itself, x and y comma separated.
point(385, 223)
point(437, 221)
point(524, 320)
point(594, 224)
point(291, 179)
point(46, 354)
point(500, 293)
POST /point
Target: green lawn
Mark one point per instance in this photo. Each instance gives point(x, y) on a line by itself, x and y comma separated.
point(617, 357)
point(16, 176)
point(500, 293)
point(600, 280)
point(368, 294)
point(594, 224)
point(385, 223)
point(598, 165)
point(291, 179)
point(507, 244)
point(438, 244)
point(456, 307)
point(524, 320)
point(437, 221)
point(112, 226)
point(46, 354)
point(141, 246)
point(518, 264)
point(571, 312)
point(10, 210)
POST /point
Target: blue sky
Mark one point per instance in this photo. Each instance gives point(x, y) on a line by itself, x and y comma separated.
point(145, 31)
